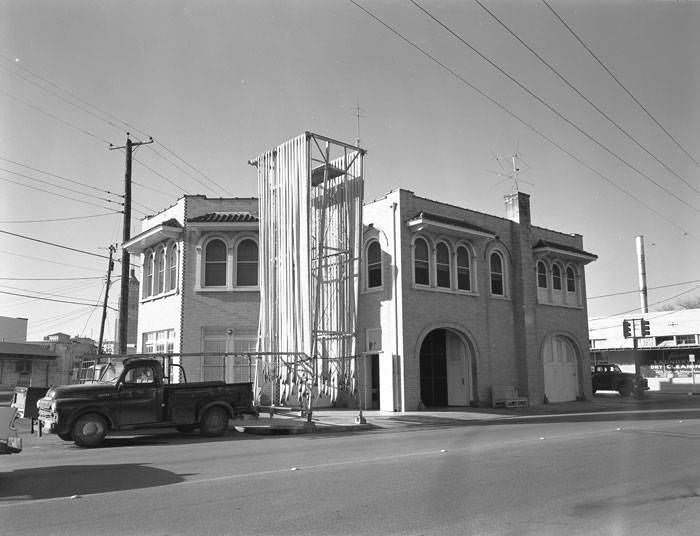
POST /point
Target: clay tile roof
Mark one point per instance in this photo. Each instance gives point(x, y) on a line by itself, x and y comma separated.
point(225, 217)
point(172, 222)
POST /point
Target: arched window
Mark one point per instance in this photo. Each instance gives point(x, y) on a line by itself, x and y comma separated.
point(541, 275)
point(247, 264)
point(496, 264)
point(421, 262)
point(215, 264)
point(442, 265)
point(463, 272)
point(556, 277)
point(374, 265)
point(172, 267)
point(148, 275)
point(159, 280)
point(570, 280)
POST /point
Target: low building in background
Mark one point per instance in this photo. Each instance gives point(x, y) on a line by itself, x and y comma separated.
point(663, 357)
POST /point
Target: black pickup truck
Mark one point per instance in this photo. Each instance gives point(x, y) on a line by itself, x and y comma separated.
point(141, 397)
point(609, 377)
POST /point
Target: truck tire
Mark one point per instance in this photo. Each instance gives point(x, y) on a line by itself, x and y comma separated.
point(214, 422)
point(89, 430)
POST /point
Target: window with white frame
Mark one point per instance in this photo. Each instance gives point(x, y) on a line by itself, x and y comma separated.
point(421, 262)
point(374, 264)
point(159, 266)
point(570, 279)
point(541, 275)
point(556, 277)
point(172, 267)
point(442, 265)
point(148, 275)
point(497, 274)
point(161, 341)
point(215, 254)
point(247, 263)
point(463, 269)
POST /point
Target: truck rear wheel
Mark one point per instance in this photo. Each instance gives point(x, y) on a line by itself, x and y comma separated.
point(89, 430)
point(214, 422)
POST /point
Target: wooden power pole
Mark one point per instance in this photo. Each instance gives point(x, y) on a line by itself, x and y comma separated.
point(126, 235)
point(110, 267)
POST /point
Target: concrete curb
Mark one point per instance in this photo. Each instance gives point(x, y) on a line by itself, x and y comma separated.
point(304, 428)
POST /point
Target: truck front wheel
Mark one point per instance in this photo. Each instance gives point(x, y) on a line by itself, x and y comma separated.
point(214, 422)
point(89, 430)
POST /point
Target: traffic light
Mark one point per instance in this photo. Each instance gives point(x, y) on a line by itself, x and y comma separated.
point(626, 329)
point(645, 328)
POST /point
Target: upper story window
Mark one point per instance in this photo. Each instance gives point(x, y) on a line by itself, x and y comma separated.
point(541, 275)
point(215, 264)
point(497, 274)
point(148, 275)
point(442, 265)
point(246, 264)
point(556, 277)
point(374, 265)
point(463, 269)
point(570, 280)
point(421, 262)
point(159, 281)
point(172, 267)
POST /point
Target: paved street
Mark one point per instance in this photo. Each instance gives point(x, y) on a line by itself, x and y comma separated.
point(575, 474)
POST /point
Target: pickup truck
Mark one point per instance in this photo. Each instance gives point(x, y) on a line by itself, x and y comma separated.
point(141, 397)
point(609, 377)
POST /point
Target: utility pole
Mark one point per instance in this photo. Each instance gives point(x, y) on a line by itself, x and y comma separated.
point(126, 235)
point(641, 265)
point(110, 267)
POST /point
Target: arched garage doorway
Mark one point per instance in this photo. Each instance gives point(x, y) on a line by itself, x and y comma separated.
point(446, 370)
point(560, 361)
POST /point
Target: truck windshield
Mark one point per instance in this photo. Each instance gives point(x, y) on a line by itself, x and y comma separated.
point(111, 372)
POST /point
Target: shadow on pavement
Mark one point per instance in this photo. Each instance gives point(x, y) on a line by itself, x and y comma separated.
point(70, 480)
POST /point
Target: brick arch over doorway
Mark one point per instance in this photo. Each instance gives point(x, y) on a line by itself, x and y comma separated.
point(561, 361)
point(447, 369)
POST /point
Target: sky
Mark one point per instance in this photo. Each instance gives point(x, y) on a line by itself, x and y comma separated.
point(217, 83)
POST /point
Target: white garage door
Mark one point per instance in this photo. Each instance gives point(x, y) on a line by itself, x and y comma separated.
point(560, 370)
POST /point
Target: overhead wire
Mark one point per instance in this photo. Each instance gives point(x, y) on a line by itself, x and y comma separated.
point(47, 220)
point(522, 121)
point(84, 184)
point(552, 108)
point(637, 291)
point(55, 117)
point(49, 261)
point(54, 244)
point(42, 181)
point(29, 186)
point(194, 168)
point(591, 103)
point(619, 82)
point(52, 299)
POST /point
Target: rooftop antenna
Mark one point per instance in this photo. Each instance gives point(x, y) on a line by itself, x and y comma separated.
point(357, 112)
point(518, 166)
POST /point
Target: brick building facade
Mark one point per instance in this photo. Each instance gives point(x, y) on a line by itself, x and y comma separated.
point(452, 301)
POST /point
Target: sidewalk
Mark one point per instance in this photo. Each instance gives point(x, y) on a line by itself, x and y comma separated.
point(603, 405)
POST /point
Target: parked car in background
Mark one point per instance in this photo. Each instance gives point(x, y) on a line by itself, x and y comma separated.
point(609, 377)
point(10, 442)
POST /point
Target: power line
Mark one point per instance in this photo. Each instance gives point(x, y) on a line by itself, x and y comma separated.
point(60, 177)
point(151, 188)
point(519, 119)
point(49, 278)
point(619, 83)
point(551, 108)
point(61, 187)
point(593, 105)
point(54, 300)
point(194, 168)
point(54, 244)
point(55, 117)
point(49, 261)
point(62, 219)
point(160, 175)
point(637, 291)
point(55, 193)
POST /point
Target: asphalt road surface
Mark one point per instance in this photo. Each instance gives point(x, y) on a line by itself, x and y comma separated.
point(573, 475)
